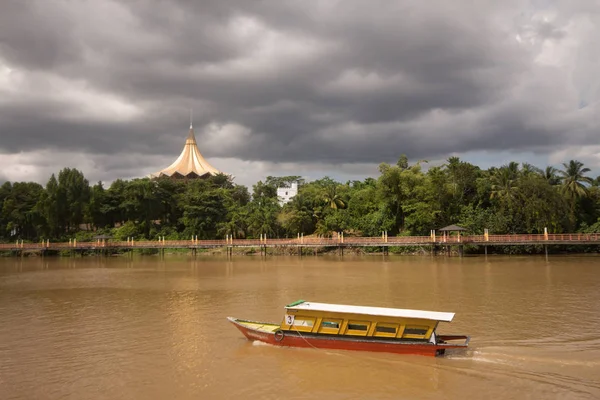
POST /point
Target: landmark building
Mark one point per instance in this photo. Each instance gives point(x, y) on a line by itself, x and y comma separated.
point(190, 164)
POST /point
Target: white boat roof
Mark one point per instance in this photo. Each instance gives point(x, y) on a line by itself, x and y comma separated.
point(380, 311)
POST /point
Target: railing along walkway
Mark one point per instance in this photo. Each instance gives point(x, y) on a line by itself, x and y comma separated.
point(340, 241)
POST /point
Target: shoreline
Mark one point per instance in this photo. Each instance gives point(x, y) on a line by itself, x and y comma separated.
point(297, 251)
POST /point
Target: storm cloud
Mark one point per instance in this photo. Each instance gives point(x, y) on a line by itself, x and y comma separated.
point(286, 87)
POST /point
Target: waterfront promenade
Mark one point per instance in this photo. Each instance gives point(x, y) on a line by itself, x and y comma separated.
point(300, 242)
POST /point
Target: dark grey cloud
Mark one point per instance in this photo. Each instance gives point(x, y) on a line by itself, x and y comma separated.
point(288, 81)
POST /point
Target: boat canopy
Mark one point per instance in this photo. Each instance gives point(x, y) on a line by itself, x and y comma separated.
point(380, 311)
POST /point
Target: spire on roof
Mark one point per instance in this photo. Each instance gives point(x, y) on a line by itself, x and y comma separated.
point(191, 136)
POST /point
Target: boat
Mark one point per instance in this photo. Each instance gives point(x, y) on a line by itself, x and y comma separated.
point(348, 327)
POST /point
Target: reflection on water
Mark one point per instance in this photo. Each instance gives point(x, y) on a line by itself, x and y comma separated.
point(148, 328)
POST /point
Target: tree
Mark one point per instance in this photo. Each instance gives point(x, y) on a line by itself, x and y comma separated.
point(263, 210)
point(550, 174)
point(402, 162)
point(298, 215)
point(70, 197)
point(528, 169)
point(95, 212)
point(5, 190)
point(332, 198)
point(397, 188)
point(53, 205)
point(115, 206)
point(141, 203)
point(504, 184)
point(460, 182)
point(21, 212)
point(573, 179)
point(573, 187)
point(237, 220)
point(540, 206)
point(204, 209)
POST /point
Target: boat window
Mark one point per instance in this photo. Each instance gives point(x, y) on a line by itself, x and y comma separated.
point(331, 326)
point(301, 323)
point(416, 330)
point(359, 328)
point(385, 329)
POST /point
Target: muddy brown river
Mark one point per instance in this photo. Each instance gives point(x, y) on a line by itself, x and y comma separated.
point(146, 328)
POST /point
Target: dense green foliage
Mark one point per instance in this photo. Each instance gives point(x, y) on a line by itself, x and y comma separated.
point(403, 200)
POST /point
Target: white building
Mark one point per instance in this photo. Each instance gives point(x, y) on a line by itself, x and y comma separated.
point(285, 194)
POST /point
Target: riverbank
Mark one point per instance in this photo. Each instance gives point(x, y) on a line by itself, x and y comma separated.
point(306, 251)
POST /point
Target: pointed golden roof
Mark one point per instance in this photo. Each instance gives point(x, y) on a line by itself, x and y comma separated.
point(190, 163)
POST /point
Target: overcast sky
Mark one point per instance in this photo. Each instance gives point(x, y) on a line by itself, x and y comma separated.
point(309, 88)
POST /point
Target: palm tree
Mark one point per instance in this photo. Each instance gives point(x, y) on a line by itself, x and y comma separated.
point(573, 179)
point(504, 183)
point(550, 175)
point(513, 168)
point(452, 165)
point(333, 199)
point(299, 214)
point(528, 169)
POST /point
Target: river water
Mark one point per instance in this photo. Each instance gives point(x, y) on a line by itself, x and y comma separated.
point(146, 328)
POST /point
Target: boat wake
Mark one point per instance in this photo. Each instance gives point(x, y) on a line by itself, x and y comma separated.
point(478, 356)
point(499, 357)
point(525, 370)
